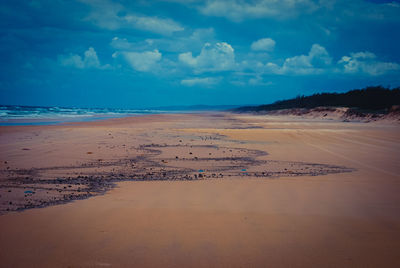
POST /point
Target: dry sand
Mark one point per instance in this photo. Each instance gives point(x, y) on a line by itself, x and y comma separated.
point(273, 192)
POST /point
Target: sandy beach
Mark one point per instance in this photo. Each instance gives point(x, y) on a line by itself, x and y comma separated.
point(200, 190)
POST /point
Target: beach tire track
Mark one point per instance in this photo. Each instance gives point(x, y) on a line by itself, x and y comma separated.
point(367, 166)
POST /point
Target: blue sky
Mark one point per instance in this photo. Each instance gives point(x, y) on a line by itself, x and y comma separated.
point(136, 54)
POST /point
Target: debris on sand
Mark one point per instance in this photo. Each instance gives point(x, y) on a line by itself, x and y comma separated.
point(61, 184)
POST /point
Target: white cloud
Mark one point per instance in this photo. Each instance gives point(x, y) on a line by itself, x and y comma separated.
point(107, 15)
point(188, 59)
point(258, 81)
point(72, 60)
point(252, 65)
point(237, 10)
point(318, 61)
point(121, 43)
point(89, 60)
point(366, 62)
point(153, 24)
point(212, 58)
point(193, 40)
point(104, 13)
point(264, 44)
point(143, 61)
point(205, 81)
point(313, 63)
point(271, 67)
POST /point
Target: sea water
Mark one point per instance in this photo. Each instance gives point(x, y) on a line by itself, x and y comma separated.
point(35, 115)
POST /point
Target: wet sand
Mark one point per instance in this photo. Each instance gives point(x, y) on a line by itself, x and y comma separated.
point(285, 193)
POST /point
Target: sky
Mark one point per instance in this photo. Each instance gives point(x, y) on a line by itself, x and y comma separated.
point(139, 54)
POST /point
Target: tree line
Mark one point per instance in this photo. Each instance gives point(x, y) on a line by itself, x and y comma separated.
point(369, 98)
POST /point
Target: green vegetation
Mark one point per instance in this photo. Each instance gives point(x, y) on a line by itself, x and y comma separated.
point(370, 98)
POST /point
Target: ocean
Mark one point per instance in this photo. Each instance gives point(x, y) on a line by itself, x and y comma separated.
point(31, 115)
